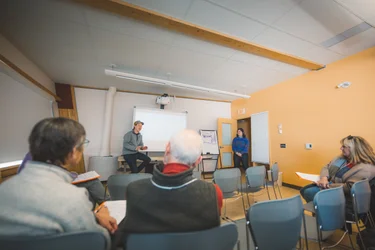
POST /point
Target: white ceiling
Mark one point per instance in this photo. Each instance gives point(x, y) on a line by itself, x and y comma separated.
point(74, 44)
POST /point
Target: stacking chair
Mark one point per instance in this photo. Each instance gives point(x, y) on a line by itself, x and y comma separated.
point(229, 181)
point(117, 184)
point(329, 206)
point(274, 179)
point(361, 196)
point(277, 224)
point(71, 241)
point(223, 237)
point(255, 180)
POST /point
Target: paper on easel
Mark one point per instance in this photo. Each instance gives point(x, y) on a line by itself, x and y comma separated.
point(92, 175)
point(308, 177)
point(117, 209)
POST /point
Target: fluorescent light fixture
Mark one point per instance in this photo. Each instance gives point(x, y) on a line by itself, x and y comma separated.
point(172, 84)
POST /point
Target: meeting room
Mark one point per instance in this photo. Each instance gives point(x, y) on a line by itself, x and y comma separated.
point(187, 124)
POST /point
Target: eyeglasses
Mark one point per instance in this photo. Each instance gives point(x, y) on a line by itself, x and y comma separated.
point(84, 144)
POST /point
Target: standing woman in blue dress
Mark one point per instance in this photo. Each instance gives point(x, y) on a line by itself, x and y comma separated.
point(240, 147)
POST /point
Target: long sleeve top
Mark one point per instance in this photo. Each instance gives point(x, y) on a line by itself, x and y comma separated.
point(240, 144)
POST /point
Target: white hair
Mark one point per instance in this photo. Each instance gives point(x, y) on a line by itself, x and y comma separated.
point(186, 146)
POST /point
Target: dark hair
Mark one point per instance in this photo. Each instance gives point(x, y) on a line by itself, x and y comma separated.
point(52, 139)
point(243, 133)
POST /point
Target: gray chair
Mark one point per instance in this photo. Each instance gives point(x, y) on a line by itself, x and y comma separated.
point(361, 198)
point(255, 180)
point(71, 241)
point(223, 237)
point(229, 181)
point(274, 180)
point(276, 224)
point(117, 184)
point(329, 205)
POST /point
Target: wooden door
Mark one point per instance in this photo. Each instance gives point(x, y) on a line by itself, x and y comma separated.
point(226, 131)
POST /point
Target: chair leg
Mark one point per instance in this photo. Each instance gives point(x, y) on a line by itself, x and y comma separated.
point(305, 230)
point(266, 187)
point(360, 235)
point(278, 187)
point(274, 191)
point(369, 215)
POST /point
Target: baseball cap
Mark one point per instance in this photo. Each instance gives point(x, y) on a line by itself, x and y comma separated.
point(137, 122)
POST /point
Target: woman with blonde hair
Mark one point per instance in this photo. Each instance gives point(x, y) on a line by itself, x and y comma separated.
point(356, 162)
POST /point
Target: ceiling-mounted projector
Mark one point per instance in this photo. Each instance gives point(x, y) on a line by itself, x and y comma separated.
point(163, 100)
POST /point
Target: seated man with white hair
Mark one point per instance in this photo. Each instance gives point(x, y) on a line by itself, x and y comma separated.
point(173, 200)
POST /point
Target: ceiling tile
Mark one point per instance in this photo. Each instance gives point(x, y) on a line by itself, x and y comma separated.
point(201, 46)
point(365, 9)
point(129, 53)
point(174, 8)
point(188, 66)
point(266, 11)
point(281, 41)
point(252, 59)
point(123, 25)
point(317, 20)
point(214, 17)
point(356, 43)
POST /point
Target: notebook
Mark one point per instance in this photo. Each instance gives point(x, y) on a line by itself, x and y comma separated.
point(308, 177)
point(92, 175)
point(117, 209)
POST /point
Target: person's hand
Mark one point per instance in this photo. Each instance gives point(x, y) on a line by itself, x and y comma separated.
point(144, 148)
point(106, 221)
point(239, 154)
point(323, 182)
point(138, 148)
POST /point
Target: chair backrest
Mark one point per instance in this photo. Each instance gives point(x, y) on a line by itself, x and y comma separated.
point(255, 176)
point(275, 172)
point(361, 194)
point(223, 237)
point(228, 179)
point(71, 241)
point(276, 230)
point(329, 206)
point(117, 184)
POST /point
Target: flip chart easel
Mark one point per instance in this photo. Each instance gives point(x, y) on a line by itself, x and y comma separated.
point(210, 149)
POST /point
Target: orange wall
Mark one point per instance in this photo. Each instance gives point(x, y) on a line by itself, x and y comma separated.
point(311, 109)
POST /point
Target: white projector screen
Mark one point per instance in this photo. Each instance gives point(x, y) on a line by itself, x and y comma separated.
point(159, 126)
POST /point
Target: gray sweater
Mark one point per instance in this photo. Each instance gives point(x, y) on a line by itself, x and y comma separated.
point(131, 142)
point(42, 201)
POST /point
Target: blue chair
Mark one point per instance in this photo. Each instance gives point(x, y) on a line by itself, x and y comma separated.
point(255, 178)
point(71, 241)
point(274, 180)
point(361, 198)
point(329, 205)
point(276, 224)
point(117, 184)
point(223, 237)
point(229, 181)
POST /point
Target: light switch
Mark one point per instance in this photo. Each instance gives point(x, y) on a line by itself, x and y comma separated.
point(308, 145)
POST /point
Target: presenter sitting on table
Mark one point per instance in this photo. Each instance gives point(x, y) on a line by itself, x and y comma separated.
point(240, 147)
point(133, 143)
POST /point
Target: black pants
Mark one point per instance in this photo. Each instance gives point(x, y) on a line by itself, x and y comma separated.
point(244, 159)
point(132, 161)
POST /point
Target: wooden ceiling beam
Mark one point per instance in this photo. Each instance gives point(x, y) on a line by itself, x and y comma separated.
point(122, 8)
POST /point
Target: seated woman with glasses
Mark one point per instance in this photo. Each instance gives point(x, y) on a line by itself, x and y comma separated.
point(97, 193)
point(356, 162)
point(41, 199)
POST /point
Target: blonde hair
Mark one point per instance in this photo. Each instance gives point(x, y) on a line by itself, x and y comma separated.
point(360, 150)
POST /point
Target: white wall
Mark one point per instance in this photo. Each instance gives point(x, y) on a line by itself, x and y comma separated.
point(16, 57)
point(90, 107)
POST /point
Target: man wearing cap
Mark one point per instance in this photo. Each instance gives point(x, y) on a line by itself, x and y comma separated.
point(133, 143)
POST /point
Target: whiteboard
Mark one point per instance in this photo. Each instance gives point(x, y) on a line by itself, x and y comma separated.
point(260, 149)
point(210, 143)
point(159, 126)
